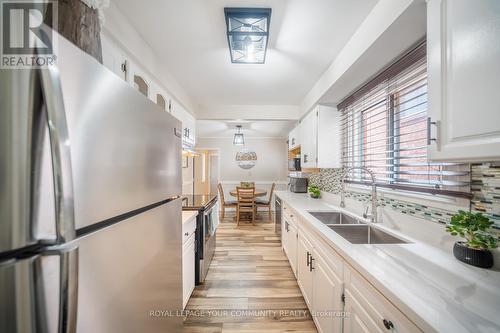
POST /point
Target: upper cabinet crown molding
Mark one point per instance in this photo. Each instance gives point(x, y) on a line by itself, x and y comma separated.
point(463, 50)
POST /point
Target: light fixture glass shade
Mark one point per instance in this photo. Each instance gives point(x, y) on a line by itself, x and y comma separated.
point(238, 139)
point(247, 34)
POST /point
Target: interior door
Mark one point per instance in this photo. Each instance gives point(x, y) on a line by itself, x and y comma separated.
point(214, 173)
point(131, 269)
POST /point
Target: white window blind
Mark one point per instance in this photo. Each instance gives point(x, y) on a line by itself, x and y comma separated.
point(385, 129)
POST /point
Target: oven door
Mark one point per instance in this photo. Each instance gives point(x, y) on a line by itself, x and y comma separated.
point(209, 228)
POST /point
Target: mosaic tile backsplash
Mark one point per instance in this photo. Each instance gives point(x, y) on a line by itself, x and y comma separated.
point(485, 187)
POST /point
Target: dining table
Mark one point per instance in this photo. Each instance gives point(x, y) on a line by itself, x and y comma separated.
point(258, 192)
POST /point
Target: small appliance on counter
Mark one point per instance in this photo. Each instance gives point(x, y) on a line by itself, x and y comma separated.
point(294, 164)
point(298, 184)
point(206, 227)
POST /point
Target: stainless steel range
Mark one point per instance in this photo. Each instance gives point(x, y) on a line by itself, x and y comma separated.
point(206, 227)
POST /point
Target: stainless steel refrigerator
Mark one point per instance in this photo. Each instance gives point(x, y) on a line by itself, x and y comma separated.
point(90, 215)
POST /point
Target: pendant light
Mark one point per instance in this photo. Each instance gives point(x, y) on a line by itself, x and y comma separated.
point(238, 137)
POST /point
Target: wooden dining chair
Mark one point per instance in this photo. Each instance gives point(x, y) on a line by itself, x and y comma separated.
point(225, 204)
point(266, 203)
point(245, 203)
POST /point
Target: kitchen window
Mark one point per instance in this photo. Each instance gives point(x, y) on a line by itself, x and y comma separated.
point(385, 129)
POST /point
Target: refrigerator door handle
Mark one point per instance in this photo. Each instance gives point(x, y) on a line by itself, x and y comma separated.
point(68, 287)
point(61, 154)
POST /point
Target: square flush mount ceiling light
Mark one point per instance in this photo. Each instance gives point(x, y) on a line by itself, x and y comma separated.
point(247, 34)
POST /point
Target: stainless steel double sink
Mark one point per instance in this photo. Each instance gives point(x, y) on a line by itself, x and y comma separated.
point(354, 230)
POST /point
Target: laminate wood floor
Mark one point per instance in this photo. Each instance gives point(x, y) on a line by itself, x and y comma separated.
point(250, 286)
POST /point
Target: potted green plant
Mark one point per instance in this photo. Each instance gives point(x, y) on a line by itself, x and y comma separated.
point(314, 191)
point(473, 227)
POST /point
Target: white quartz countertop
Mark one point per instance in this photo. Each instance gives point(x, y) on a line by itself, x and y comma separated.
point(187, 215)
point(434, 290)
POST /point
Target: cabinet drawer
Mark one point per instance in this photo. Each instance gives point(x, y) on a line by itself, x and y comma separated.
point(188, 229)
point(368, 306)
point(290, 214)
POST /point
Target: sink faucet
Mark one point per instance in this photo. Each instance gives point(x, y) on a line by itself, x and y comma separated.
point(373, 215)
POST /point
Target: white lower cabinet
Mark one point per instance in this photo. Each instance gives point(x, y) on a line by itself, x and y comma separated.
point(368, 310)
point(327, 292)
point(304, 276)
point(289, 236)
point(320, 280)
point(188, 263)
point(291, 244)
point(331, 287)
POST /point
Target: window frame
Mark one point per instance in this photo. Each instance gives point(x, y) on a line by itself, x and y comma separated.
point(355, 133)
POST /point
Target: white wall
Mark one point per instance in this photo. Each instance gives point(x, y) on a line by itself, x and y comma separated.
point(271, 166)
point(271, 158)
point(389, 29)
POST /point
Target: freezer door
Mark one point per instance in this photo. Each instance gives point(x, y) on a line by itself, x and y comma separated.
point(27, 194)
point(130, 274)
point(38, 293)
point(124, 151)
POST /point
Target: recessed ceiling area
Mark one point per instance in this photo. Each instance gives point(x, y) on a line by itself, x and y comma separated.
point(250, 129)
point(190, 37)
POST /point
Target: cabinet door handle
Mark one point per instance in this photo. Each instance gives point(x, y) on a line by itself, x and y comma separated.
point(429, 131)
point(388, 324)
point(308, 257)
point(186, 234)
point(311, 264)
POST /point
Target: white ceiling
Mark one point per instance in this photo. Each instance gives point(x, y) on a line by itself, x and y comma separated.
point(189, 35)
point(251, 129)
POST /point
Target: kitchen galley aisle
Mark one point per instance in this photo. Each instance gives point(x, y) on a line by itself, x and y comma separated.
point(250, 286)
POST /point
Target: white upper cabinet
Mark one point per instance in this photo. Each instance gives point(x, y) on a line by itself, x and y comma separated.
point(309, 140)
point(294, 138)
point(329, 138)
point(188, 123)
point(320, 138)
point(116, 60)
point(463, 41)
point(113, 58)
